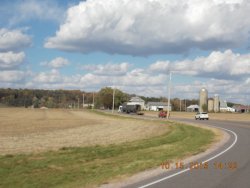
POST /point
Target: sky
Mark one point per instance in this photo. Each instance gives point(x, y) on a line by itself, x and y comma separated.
point(132, 45)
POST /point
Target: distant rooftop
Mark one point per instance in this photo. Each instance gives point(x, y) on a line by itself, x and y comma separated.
point(136, 99)
point(157, 104)
point(193, 106)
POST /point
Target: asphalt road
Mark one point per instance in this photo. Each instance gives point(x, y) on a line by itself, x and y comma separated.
point(231, 169)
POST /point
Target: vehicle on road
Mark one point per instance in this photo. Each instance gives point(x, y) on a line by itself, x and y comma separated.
point(130, 108)
point(163, 114)
point(202, 116)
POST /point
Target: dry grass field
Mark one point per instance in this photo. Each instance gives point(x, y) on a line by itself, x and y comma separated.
point(66, 148)
point(35, 130)
point(217, 116)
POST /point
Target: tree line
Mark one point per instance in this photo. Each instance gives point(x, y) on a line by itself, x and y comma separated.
point(37, 98)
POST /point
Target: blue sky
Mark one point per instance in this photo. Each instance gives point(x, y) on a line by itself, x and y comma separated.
point(131, 45)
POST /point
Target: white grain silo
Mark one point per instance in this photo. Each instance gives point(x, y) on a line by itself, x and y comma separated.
point(210, 105)
point(216, 103)
point(203, 100)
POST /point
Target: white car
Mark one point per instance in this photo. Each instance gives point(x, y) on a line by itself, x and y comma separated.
point(202, 115)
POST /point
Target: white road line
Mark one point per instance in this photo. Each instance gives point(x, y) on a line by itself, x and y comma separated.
point(175, 174)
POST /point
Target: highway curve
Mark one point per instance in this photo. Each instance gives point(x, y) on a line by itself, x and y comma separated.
point(226, 167)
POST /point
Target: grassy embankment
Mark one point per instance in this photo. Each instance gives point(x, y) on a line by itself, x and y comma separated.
point(88, 166)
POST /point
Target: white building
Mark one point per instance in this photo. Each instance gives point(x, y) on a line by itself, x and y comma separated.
point(224, 107)
point(137, 101)
point(227, 109)
point(158, 106)
point(193, 108)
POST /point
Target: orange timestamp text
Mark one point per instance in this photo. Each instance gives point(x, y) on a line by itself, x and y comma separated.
point(231, 165)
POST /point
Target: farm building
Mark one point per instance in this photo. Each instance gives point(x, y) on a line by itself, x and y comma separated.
point(158, 106)
point(241, 108)
point(227, 109)
point(137, 101)
point(224, 107)
point(193, 108)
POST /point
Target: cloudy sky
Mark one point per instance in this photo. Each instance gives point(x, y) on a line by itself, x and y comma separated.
point(129, 44)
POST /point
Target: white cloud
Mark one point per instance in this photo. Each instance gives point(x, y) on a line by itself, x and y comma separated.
point(160, 66)
point(146, 81)
point(12, 40)
point(135, 81)
point(248, 81)
point(139, 77)
point(12, 76)
point(144, 27)
point(25, 10)
point(90, 80)
point(56, 63)
point(133, 78)
point(220, 65)
point(108, 69)
point(10, 59)
point(48, 77)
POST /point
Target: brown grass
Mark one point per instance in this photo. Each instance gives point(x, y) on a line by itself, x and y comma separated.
point(36, 130)
point(216, 116)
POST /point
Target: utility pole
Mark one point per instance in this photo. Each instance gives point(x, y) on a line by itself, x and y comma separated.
point(93, 100)
point(169, 92)
point(78, 101)
point(180, 105)
point(113, 106)
point(83, 100)
point(185, 105)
